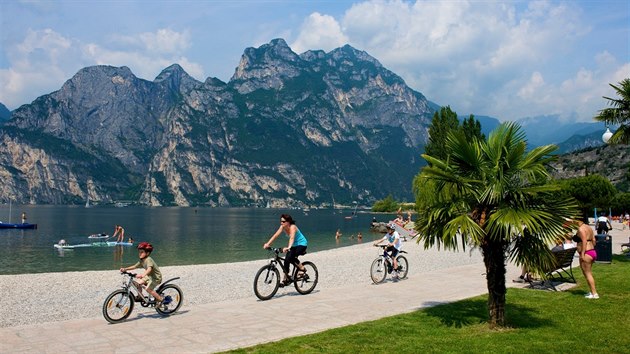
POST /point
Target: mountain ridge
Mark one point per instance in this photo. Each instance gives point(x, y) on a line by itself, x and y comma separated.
point(290, 130)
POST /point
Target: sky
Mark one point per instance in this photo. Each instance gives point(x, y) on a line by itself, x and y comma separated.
point(504, 59)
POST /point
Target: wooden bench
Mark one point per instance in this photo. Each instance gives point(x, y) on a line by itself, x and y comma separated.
point(562, 265)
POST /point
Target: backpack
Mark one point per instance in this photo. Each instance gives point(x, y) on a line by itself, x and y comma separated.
point(602, 226)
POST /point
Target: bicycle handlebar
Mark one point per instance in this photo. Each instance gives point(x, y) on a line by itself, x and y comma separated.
point(133, 275)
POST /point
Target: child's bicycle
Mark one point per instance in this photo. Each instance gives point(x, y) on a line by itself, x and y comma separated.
point(119, 304)
point(383, 265)
point(267, 279)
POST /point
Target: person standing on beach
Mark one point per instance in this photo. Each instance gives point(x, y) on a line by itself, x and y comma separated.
point(295, 248)
point(585, 239)
point(120, 232)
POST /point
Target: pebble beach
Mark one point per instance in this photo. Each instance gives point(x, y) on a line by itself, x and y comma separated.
point(50, 297)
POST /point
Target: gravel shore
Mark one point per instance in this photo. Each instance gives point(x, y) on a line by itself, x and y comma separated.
point(50, 297)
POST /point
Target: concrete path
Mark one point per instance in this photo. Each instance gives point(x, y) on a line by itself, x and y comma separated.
point(245, 322)
point(240, 323)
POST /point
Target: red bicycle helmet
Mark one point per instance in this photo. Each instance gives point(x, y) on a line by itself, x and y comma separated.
point(145, 246)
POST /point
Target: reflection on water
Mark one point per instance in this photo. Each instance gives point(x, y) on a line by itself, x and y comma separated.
point(180, 235)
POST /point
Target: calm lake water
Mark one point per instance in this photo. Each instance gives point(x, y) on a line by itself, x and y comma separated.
point(181, 236)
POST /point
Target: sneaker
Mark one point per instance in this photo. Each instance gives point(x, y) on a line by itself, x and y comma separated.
point(592, 296)
point(520, 279)
point(167, 300)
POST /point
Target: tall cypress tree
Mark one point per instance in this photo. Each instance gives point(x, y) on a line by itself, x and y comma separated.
point(443, 122)
point(472, 128)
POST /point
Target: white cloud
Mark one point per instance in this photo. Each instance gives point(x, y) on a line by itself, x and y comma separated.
point(45, 59)
point(37, 64)
point(488, 58)
point(162, 41)
point(500, 58)
point(319, 32)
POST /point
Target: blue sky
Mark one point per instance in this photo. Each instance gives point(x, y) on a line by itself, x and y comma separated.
point(506, 59)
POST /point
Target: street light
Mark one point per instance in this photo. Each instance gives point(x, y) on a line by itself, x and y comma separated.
point(607, 135)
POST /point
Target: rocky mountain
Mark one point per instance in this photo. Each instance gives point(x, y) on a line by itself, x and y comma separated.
point(287, 130)
point(5, 114)
point(610, 161)
point(543, 130)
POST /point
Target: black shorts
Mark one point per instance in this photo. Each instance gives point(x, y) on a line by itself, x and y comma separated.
point(393, 250)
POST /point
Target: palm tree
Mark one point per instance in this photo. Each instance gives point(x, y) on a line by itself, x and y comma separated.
point(619, 113)
point(494, 195)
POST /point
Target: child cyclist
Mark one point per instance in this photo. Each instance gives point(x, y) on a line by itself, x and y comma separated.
point(151, 277)
point(393, 243)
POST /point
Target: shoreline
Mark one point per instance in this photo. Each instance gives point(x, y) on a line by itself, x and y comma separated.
point(53, 297)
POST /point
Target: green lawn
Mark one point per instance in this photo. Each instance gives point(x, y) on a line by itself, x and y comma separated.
point(540, 321)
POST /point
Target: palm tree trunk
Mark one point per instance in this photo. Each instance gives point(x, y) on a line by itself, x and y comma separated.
point(494, 259)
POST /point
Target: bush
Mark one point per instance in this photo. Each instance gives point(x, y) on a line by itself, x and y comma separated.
point(387, 205)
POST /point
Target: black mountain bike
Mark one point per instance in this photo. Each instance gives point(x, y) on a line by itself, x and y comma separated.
point(383, 265)
point(119, 304)
point(267, 280)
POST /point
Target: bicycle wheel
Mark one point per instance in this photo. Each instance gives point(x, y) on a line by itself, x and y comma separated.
point(378, 272)
point(177, 298)
point(306, 282)
point(117, 306)
point(403, 267)
point(266, 282)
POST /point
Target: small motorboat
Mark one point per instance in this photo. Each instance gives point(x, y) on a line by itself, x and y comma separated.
point(4, 225)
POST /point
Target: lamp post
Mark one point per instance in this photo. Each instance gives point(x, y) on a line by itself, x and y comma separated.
point(607, 135)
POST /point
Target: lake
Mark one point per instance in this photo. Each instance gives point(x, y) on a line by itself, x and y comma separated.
point(181, 236)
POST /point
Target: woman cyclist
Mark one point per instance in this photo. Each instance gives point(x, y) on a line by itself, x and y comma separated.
point(296, 246)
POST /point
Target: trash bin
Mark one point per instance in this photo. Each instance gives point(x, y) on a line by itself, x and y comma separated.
point(603, 247)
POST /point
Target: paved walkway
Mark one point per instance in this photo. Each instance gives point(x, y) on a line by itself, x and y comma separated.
point(240, 323)
point(245, 322)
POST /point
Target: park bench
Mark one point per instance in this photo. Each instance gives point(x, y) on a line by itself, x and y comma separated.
point(562, 265)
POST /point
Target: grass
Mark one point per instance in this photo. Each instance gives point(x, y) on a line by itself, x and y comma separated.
point(538, 321)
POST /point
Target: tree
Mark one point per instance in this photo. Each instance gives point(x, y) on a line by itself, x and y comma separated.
point(621, 203)
point(619, 113)
point(386, 205)
point(472, 128)
point(443, 122)
point(592, 191)
point(488, 193)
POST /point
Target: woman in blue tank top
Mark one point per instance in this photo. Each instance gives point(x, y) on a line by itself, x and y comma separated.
point(296, 246)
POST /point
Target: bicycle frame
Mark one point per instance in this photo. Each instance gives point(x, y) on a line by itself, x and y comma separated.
point(278, 261)
point(267, 279)
point(132, 284)
point(384, 264)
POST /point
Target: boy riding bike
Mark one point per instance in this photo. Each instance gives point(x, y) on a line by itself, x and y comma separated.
point(151, 277)
point(393, 243)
